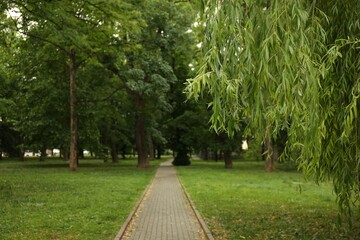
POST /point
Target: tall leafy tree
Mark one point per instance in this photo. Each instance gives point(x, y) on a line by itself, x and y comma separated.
point(149, 69)
point(147, 83)
point(179, 50)
point(10, 139)
point(289, 66)
point(74, 28)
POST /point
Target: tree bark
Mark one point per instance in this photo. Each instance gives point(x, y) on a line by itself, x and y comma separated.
point(42, 154)
point(21, 156)
point(181, 149)
point(228, 159)
point(151, 148)
point(123, 152)
point(158, 152)
point(205, 154)
point(216, 156)
point(182, 157)
point(65, 154)
point(141, 141)
point(81, 153)
point(73, 114)
point(270, 153)
point(114, 152)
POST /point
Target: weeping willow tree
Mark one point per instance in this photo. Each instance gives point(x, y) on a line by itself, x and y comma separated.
point(290, 66)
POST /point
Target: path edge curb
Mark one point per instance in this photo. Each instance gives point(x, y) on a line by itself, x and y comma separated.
point(203, 225)
point(132, 213)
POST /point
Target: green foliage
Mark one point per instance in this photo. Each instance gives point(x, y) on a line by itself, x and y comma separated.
point(42, 116)
point(151, 77)
point(247, 203)
point(45, 32)
point(68, 24)
point(288, 66)
point(151, 70)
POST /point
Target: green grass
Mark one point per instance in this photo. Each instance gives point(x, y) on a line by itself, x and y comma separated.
point(247, 203)
point(44, 200)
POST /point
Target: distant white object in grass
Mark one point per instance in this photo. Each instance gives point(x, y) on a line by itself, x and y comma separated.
point(244, 145)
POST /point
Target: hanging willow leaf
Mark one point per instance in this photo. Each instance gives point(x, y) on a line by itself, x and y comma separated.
point(296, 66)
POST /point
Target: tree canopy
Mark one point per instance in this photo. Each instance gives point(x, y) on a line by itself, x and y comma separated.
point(293, 66)
point(124, 59)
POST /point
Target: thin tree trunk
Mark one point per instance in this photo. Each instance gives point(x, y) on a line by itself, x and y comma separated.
point(151, 148)
point(114, 152)
point(123, 152)
point(181, 149)
point(140, 135)
point(271, 153)
point(21, 156)
point(42, 154)
point(81, 153)
point(65, 154)
point(141, 142)
point(158, 152)
point(182, 158)
point(73, 114)
point(205, 154)
point(228, 159)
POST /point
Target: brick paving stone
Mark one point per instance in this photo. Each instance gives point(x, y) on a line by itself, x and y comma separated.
point(164, 214)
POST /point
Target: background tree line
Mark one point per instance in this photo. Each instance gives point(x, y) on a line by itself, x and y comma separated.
point(106, 77)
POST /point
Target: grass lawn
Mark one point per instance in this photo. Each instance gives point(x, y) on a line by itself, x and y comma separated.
point(44, 200)
point(247, 203)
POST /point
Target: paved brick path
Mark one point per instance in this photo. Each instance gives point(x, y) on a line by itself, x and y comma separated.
point(164, 214)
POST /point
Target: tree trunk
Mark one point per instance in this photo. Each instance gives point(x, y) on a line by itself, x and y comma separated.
point(123, 152)
point(181, 149)
point(228, 159)
point(270, 153)
point(65, 154)
point(81, 153)
point(73, 114)
point(158, 152)
point(21, 156)
point(151, 148)
point(1, 154)
point(216, 156)
point(114, 152)
point(42, 154)
point(141, 141)
point(182, 157)
point(205, 154)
